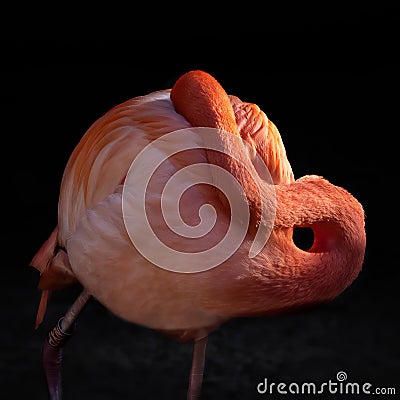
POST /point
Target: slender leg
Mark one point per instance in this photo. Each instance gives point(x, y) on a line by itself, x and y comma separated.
point(54, 343)
point(197, 371)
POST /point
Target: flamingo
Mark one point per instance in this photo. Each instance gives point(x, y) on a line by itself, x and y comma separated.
point(91, 244)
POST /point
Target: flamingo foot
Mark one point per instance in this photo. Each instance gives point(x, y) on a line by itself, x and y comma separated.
point(197, 370)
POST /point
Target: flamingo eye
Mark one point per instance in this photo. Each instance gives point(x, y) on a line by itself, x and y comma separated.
point(303, 237)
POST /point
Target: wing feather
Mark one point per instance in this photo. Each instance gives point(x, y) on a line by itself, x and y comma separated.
point(262, 134)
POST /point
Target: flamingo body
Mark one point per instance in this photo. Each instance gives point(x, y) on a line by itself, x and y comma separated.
point(90, 244)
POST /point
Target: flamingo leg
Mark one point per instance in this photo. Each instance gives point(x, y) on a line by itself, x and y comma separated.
point(55, 342)
point(197, 370)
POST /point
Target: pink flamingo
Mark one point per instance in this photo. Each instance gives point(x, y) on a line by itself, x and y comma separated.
point(91, 245)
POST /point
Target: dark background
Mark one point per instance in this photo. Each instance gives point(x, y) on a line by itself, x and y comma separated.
point(331, 87)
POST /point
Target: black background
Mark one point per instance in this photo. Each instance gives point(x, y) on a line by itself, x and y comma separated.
point(332, 90)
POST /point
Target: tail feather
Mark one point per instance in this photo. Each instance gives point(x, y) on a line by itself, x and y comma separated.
point(42, 307)
point(55, 272)
point(41, 261)
point(45, 253)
